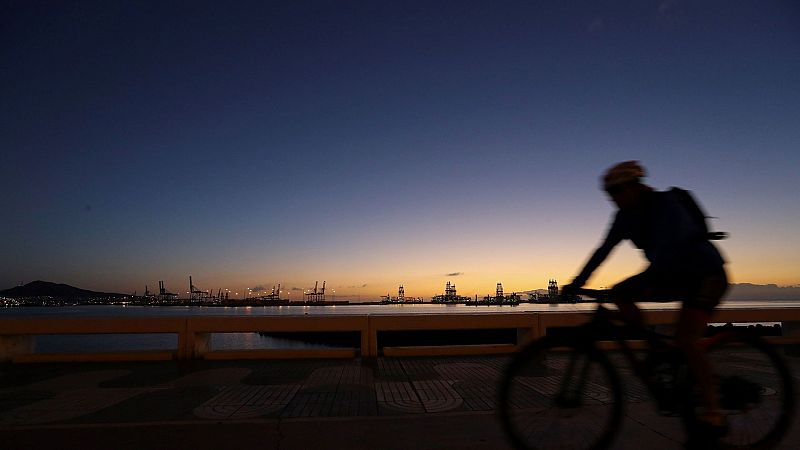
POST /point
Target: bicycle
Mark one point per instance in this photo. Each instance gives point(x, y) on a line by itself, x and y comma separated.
point(566, 391)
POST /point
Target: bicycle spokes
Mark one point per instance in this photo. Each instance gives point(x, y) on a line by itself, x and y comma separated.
point(737, 393)
point(573, 383)
point(549, 393)
point(755, 391)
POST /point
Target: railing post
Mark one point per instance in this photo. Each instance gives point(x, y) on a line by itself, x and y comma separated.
point(365, 338)
point(201, 345)
point(527, 335)
point(183, 340)
point(372, 338)
point(193, 343)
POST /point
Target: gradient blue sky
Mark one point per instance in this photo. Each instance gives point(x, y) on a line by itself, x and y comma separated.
point(376, 143)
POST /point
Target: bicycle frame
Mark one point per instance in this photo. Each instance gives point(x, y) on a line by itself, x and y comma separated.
point(603, 321)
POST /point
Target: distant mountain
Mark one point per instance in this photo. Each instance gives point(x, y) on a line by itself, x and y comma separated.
point(750, 291)
point(48, 289)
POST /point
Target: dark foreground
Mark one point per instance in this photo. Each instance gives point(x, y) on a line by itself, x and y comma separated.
point(421, 403)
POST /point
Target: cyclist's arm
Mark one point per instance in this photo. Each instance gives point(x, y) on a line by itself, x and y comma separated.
point(613, 237)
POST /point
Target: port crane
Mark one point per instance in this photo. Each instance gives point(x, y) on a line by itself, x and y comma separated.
point(195, 294)
point(316, 295)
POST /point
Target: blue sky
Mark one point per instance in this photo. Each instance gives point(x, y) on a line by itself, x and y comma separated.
point(378, 143)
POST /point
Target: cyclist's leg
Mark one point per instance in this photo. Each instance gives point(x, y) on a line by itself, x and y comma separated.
point(691, 327)
point(692, 323)
point(628, 291)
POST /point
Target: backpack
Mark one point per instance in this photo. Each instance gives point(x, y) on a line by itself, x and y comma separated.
point(697, 214)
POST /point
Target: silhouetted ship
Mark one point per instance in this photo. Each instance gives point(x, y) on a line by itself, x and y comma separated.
point(499, 298)
point(552, 297)
point(450, 296)
point(400, 299)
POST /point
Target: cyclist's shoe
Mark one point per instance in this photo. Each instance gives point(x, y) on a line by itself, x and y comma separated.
point(706, 435)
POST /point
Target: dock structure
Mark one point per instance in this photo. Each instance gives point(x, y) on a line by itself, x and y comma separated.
point(551, 297)
point(401, 297)
point(196, 294)
point(315, 296)
point(552, 293)
point(275, 295)
point(164, 295)
point(221, 296)
point(450, 295)
point(149, 296)
point(503, 299)
point(500, 298)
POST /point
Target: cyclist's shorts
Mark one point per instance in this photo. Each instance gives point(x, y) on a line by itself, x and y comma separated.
point(701, 292)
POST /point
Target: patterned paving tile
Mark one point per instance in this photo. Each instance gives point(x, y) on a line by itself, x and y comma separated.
point(156, 405)
point(213, 377)
point(548, 386)
point(398, 396)
point(357, 376)
point(285, 372)
point(324, 379)
point(390, 369)
point(335, 390)
point(420, 369)
point(437, 395)
point(461, 371)
point(78, 380)
point(67, 405)
point(310, 404)
point(148, 375)
point(313, 388)
point(243, 402)
point(330, 378)
point(355, 401)
point(478, 396)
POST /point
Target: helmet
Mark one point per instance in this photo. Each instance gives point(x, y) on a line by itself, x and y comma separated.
point(623, 172)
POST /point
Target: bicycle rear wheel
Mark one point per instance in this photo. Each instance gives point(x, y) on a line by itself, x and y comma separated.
point(755, 390)
point(556, 394)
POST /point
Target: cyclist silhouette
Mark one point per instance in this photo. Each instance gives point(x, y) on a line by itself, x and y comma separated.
point(684, 265)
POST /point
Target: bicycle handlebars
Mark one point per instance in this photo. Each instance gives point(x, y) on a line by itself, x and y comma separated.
point(597, 294)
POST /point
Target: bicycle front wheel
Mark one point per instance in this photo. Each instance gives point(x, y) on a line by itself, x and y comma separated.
point(558, 394)
point(755, 390)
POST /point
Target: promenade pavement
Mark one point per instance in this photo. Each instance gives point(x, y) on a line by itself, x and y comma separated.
point(383, 403)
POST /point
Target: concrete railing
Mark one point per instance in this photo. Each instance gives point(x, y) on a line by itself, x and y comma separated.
point(18, 335)
point(526, 325)
point(200, 328)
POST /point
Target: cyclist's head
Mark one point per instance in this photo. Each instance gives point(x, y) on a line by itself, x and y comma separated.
point(621, 174)
point(623, 182)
